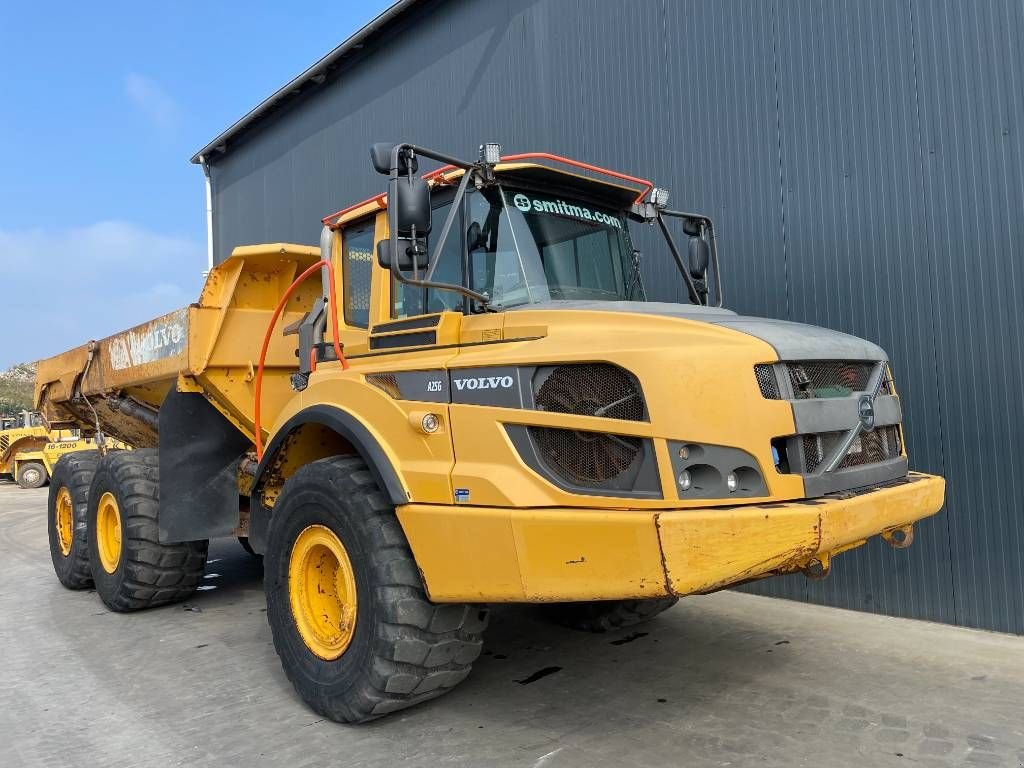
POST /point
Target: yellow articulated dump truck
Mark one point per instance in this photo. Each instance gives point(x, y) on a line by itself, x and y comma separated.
point(29, 451)
point(464, 397)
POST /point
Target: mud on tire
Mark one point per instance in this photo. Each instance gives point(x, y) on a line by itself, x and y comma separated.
point(148, 573)
point(404, 649)
point(607, 615)
point(72, 475)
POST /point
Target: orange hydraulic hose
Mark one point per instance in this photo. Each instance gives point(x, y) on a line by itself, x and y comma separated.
point(332, 302)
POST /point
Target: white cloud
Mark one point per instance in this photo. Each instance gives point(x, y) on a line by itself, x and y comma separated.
point(154, 102)
point(64, 287)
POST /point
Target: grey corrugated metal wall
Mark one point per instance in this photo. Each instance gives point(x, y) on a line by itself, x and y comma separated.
point(862, 160)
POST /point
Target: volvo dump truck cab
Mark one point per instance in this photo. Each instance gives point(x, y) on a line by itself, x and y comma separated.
point(464, 397)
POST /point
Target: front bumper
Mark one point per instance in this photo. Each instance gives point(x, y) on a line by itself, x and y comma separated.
point(486, 554)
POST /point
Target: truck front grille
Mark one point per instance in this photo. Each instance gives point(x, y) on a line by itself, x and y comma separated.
point(808, 379)
point(881, 444)
point(829, 378)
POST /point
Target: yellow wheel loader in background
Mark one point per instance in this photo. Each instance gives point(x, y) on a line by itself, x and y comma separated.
point(29, 451)
point(463, 397)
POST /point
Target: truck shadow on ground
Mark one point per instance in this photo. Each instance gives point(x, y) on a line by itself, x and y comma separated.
point(683, 658)
point(673, 664)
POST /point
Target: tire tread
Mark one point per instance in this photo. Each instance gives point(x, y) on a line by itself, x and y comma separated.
point(74, 471)
point(154, 573)
point(420, 650)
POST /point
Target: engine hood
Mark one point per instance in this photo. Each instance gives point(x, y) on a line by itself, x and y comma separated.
point(791, 341)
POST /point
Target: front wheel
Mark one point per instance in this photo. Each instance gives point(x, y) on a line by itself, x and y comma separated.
point(32, 474)
point(350, 620)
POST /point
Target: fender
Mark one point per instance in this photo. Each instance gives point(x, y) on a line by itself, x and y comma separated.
point(346, 426)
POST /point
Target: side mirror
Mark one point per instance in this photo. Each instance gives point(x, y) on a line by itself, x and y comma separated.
point(700, 255)
point(691, 226)
point(407, 249)
point(412, 206)
point(380, 156)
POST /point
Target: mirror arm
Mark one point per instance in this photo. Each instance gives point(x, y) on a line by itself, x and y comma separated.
point(719, 297)
point(396, 273)
point(439, 156)
point(393, 222)
point(694, 296)
point(714, 264)
point(452, 213)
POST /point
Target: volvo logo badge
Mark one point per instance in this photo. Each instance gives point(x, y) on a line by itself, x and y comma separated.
point(866, 412)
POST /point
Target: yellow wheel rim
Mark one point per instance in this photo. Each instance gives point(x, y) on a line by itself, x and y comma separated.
point(64, 521)
point(108, 532)
point(322, 592)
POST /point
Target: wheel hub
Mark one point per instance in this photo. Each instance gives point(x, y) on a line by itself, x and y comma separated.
point(64, 521)
point(31, 476)
point(322, 592)
point(108, 532)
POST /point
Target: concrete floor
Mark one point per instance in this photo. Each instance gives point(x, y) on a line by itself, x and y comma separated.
point(723, 680)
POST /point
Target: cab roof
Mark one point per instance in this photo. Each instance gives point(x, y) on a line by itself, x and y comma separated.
point(567, 182)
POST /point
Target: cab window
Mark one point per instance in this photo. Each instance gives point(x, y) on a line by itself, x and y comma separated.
point(412, 300)
point(357, 249)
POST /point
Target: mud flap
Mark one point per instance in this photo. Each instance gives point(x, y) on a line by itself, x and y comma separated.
point(199, 455)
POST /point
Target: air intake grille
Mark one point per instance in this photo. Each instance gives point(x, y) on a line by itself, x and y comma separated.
point(829, 378)
point(887, 386)
point(590, 389)
point(387, 382)
point(881, 444)
point(767, 382)
point(585, 458)
point(5, 443)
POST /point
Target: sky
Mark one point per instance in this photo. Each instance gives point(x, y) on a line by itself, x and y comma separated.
point(102, 216)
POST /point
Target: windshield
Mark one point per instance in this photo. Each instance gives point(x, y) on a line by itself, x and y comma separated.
point(527, 247)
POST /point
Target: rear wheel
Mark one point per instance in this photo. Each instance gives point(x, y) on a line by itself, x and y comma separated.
point(130, 567)
point(351, 622)
point(67, 512)
point(607, 615)
point(32, 474)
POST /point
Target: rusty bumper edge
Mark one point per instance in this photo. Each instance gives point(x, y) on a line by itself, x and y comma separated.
point(705, 550)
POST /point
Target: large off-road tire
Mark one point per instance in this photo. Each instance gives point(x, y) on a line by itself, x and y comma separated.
point(607, 615)
point(66, 515)
point(32, 474)
point(351, 622)
point(130, 567)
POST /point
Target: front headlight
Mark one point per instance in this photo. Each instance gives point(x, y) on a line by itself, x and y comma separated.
point(715, 471)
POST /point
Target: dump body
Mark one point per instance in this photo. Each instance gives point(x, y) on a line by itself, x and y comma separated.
point(211, 347)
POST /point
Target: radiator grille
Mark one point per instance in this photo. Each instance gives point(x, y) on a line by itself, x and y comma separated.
point(881, 444)
point(809, 379)
point(829, 378)
point(5, 443)
point(590, 389)
point(585, 458)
